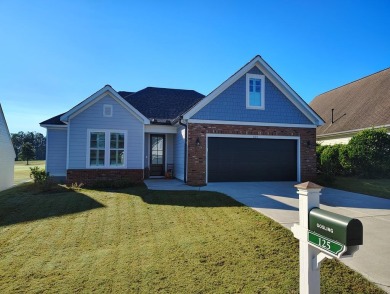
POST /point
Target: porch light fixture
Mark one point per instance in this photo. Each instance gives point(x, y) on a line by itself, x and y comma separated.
point(197, 142)
point(308, 143)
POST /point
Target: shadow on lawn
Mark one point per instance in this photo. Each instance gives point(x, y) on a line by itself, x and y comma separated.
point(186, 198)
point(20, 204)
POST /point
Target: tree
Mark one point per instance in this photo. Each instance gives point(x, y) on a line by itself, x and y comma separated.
point(37, 140)
point(27, 152)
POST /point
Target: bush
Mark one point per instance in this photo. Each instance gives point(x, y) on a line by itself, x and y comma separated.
point(319, 149)
point(369, 153)
point(41, 179)
point(39, 176)
point(330, 163)
point(345, 160)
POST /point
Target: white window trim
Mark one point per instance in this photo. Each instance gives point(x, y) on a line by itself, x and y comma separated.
point(262, 100)
point(105, 106)
point(106, 148)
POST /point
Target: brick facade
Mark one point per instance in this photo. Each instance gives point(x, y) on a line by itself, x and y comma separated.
point(196, 171)
point(91, 176)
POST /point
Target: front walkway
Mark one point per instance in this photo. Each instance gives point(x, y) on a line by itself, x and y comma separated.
point(279, 201)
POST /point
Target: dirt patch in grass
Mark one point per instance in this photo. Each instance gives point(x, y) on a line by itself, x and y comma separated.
point(141, 241)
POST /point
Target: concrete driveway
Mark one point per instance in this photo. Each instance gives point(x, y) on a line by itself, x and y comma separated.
point(279, 201)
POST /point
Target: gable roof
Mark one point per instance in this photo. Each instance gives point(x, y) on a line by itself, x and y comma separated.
point(273, 77)
point(162, 105)
point(95, 97)
point(363, 103)
point(159, 105)
point(7, 133)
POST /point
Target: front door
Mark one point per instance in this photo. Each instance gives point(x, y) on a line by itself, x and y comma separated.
point(157, 155)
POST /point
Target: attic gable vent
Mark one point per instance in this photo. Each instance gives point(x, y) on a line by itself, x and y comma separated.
point(107, 110)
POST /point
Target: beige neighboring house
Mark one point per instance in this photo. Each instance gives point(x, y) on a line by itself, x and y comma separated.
point(359, 105)
point(7, 155)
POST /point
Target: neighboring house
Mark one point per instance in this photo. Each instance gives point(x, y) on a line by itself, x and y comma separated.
point(359, 105)
point(7, 155)
point(253, 127)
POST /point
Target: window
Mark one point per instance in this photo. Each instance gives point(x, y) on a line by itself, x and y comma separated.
point(117, 149)
point(254, 91)
point(106, 149)
point(97, 149)
point(107, 110)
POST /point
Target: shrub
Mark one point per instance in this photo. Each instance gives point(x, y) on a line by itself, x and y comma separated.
point(330, 163)
point(369, 153)
point(319, 149)
point(38, 175)
point(41, 179)
point(345, 160)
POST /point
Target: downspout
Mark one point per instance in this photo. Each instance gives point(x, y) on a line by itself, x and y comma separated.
point(185, 148)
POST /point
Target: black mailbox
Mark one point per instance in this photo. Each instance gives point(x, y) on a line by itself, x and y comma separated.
point(348, 231)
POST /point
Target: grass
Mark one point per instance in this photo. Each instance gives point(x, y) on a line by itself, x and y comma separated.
point(22, 171)
point(139, 241)
point(373, 187)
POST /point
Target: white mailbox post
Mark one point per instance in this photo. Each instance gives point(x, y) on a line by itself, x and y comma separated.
point(322, 234)
point(309, 256)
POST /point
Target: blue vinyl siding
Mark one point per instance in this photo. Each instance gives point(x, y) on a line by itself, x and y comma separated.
point(230, 105)
point(169, 150)
point(56, 151)
point(178, 156)
point(92, 118)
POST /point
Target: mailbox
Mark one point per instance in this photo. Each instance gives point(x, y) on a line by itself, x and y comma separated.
point(345, 230)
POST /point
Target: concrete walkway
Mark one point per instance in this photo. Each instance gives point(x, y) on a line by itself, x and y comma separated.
point(279, 201)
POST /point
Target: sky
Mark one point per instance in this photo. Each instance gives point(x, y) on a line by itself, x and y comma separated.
point(54, 54)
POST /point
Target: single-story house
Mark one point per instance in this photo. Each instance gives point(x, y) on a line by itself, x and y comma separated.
point(253, 127)
point(359, 105)
point(7, 154)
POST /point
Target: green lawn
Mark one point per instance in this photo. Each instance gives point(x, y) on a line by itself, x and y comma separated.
point(22, 171)
point(374, 187)
point(139, 241)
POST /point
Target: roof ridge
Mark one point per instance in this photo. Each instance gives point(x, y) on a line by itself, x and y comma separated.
point(362, 78)
point(168, 89)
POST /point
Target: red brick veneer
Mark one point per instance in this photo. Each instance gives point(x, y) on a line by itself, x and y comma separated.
point(196, 171)
point(91, 176)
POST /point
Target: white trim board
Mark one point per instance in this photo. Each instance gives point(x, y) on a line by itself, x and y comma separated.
point(273, 77)
point(256, 137)
point(249, 123)
point(160, 129)
point(96, 97)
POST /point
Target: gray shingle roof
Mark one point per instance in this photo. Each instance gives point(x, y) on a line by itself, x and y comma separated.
point(365, 103)
point(160, 105)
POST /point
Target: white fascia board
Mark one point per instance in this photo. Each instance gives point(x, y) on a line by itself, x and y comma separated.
point(275, 79)
point(48, 126)
point(248, 123)
point(160, 129)
point(350, 132)
point(96, 97)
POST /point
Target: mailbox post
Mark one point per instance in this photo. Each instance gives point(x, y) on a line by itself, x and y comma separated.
point(322, 234)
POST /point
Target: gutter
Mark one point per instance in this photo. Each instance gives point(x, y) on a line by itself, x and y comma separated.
point(185, 148)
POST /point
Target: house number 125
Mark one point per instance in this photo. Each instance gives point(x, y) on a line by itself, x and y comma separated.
point(324, 243)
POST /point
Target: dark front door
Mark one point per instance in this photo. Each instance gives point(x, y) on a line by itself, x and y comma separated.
point(249, 160)
point(157, 155)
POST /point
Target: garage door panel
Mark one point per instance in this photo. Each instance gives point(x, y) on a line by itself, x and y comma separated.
point(241, 159)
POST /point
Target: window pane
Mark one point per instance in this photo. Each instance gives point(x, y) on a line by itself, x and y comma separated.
point(121, 141)
point(101, 140)
point(254, 99)
point(117, 157)
point(93, 140)
point(100, 157)
point(92, 157)
point(113, 140)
